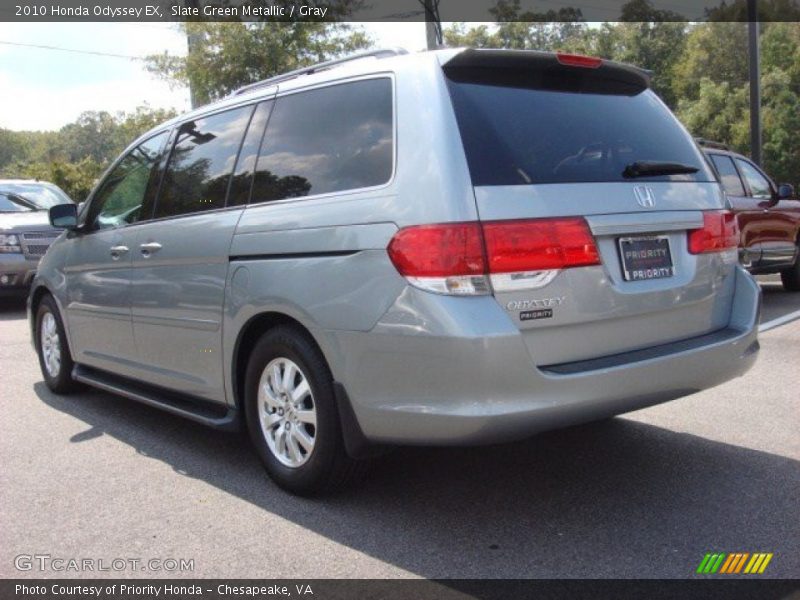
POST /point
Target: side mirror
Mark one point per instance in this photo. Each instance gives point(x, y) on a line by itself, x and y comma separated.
point(64, 216)
point(785, 191)
point(80, 206)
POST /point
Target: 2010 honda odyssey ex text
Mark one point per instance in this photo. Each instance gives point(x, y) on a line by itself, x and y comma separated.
point(454, 247)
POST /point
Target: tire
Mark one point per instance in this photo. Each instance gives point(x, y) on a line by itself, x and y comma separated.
point(791, 276)
point(50, 338)
point(299, 442)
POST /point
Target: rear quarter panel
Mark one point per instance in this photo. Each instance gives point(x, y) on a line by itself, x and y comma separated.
point(322, 259)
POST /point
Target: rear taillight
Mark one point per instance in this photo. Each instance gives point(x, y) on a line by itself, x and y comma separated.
point(448, 258)
point(579, 60)
point(720, 232)
point(462, 258)
point(537, 245)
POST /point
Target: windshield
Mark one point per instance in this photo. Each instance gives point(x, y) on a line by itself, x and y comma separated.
point(12, 203)
point(519, 130)
point(42, 195)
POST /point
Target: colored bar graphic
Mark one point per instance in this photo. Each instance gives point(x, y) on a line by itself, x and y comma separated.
point(734, 562)
point(758, 562)
point(703, 563)
point(764, 564)
point(752, 562)
point(718, 563)
point(728, 564)
point(740, 564)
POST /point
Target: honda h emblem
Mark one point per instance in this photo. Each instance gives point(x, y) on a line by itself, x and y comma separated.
point(645, 196)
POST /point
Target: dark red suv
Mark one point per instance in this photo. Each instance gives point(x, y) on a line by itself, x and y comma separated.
point(768, 215)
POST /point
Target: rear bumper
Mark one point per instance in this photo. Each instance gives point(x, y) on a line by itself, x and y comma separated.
point(409, 387)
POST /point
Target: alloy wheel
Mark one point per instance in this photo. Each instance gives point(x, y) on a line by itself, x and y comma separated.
point(287, 412)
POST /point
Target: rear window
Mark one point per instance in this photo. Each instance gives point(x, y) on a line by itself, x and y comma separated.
point(519, 129)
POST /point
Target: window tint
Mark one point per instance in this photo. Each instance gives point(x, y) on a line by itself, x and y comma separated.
point(201, 163)
point(246, 163)
point(119, 199)
point(518, 130)
point(759, 186)
point(727, 172)
point(327, 140)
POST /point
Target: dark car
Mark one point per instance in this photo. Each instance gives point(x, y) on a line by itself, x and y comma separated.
point(25, 231)
point(768, 215)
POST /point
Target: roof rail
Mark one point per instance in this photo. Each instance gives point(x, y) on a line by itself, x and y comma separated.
point(329, 64)
point(711, 144)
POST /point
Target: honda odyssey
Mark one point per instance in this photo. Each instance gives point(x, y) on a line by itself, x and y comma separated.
point(443, 248)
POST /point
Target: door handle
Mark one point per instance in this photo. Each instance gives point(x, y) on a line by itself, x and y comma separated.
point(118, 251)
point(149, 248)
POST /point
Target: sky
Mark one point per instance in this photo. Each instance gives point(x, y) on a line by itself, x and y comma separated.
point(44, 89)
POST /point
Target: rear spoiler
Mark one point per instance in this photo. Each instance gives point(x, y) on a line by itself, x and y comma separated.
point(548, 70)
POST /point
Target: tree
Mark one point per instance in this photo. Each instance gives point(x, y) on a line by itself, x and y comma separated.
point(653, 45)
point(523, 30)
point(229, 55)
point(92, 135)
point(715, 98)
point(720, 112)
point(76, 155)
point(12, 146)
point(716, 51)
point(641, 11)
point(75, 178)
point(133, 124)
point(768, 10)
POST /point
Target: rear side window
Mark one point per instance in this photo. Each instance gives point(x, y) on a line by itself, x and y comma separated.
point(759, 185)
point(520, 129)
point(201, 163)
point(727, 172)
point(327, 140)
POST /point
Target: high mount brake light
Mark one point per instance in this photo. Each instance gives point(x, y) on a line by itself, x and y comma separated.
point(462, 258)
point(578, 60)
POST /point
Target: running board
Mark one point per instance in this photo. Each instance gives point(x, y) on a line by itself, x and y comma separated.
point(201, 411)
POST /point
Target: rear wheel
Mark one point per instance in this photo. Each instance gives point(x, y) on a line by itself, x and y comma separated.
point(791, 276)
point(55, 359)
point(292, 416)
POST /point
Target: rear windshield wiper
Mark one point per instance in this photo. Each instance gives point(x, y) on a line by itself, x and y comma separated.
point(648, 168)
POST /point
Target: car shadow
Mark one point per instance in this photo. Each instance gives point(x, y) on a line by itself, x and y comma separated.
point(12, 309)
point(617, 498)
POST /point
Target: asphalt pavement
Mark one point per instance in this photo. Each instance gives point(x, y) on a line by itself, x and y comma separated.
point(94, 476)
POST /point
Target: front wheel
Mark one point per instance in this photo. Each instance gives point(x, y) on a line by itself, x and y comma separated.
point(791, 276)
point(55, 359)
point(292, 416)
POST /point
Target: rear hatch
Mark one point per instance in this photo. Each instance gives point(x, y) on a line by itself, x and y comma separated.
point(609, 217)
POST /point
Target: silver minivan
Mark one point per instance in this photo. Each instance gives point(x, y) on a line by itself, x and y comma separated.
point(452, 247)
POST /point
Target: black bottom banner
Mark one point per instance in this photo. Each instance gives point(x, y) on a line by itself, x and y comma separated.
point(413, 589)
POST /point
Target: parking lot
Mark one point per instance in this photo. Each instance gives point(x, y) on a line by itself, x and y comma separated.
point(643, 495)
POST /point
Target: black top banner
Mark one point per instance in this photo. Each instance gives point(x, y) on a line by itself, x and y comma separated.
point(399, 10)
